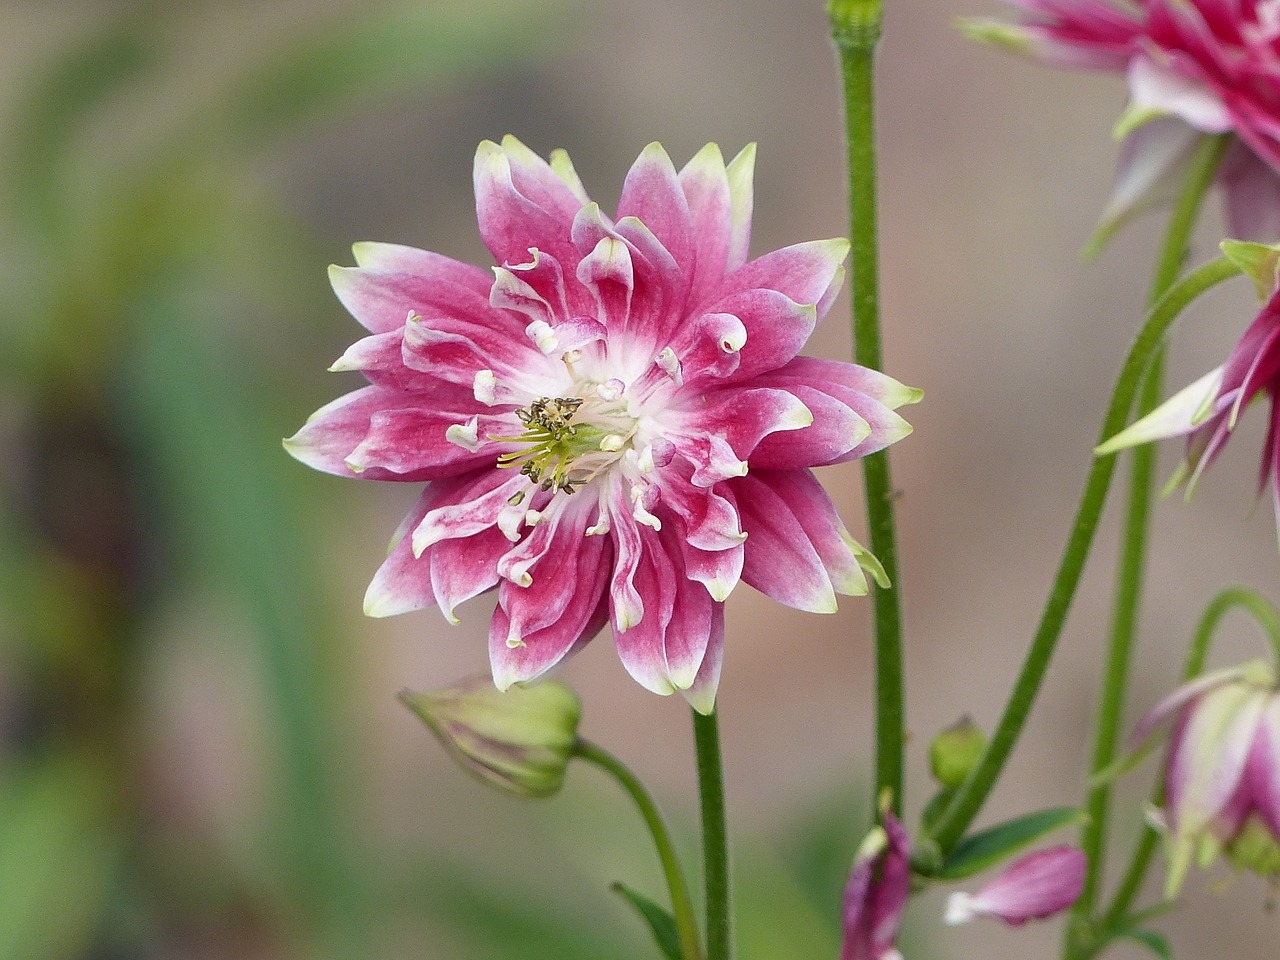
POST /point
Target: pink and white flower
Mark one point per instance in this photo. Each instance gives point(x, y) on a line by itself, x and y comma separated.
point(1222, 772)
point(1031, 888)
point(585, 415)
point(1193, 67)
point(877, 892)
point(1207, 411)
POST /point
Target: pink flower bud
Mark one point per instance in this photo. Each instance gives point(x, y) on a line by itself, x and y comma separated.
point(876, 893)
point(1031, 888)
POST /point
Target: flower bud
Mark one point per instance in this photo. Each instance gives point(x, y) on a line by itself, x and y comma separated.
point(518, 741)
point(1031, 888)
point(955, 751)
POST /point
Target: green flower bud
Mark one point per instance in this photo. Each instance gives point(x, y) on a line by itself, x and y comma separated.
point(1255, 849)
point(955, 751)
point(519, 741)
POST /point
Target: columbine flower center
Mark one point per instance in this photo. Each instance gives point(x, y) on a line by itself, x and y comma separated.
point(569, 441)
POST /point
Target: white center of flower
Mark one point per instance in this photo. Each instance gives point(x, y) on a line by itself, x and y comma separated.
point(569, 441)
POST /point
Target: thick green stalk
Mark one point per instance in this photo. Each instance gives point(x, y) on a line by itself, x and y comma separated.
point(855, 26)
point(681, 903)
point(973, 792)
point(1131, 568)
point(715, 837)
point(1267, 617)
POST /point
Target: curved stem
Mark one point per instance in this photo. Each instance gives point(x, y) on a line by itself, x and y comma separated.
point(856, 29)
point(715, 838)
point(1268, 618)
point(973, 792)
point(681, 903)
point(1131, 568)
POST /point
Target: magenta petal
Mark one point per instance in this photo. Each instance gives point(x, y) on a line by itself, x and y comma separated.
point(876, 893)
point(777, 327)
point(706, 189)
point(465, 567)
point(806, 273)
point(652, 194)
point(518, 208)
point(780, 560)
point(334, 431)
point(382, 300)
point(744, 416)
point(1252, 189)
point(1031, 888)
point(431, 268)
point(1264, 766)
point(403, 582)
point(536, 626)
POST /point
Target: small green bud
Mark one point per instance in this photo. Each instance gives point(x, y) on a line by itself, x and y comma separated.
point(519, 741)
point(955, 751)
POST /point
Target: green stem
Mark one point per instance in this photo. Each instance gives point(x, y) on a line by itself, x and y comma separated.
point(1131, 568)
point(856, 29)
point(973, 792)
point(1268, 618)
point(715, 838)
point(681, 903)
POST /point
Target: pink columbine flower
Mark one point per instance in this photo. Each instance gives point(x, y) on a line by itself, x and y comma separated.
point(586, 412)
point(1194, 67)
point(1031, 888)
point(877, 891)
point(1222, 773)
point(1207, 411)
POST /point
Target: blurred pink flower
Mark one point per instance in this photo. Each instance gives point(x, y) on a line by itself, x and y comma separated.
point(1222, 773)
point(1031, 888)
point(1207, 411)
point(877, 891)
point(1193, 67)
point(585, 416)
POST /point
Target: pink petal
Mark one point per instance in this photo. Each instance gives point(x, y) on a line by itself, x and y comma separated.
point(1164, 712)
point(706, 189)
point(1264, 766)
point(1031, 888)
point(519, 205)
point(431, 267)
point(536, 626)
point(743, 416)
point(876, 893)
point(403, 582)
point(465, 567)
point(701, 694)
point(474, 502)
point(777, 327)
point(382, 300)
point(806, 273)
point(330, 435)
point(780, 560)
point(652, 194)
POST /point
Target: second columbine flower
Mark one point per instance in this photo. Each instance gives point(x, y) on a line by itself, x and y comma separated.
point(585, 416)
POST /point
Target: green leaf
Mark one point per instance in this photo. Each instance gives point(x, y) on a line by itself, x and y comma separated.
point(1153, 941)
point(658, 918)
point(979, 851)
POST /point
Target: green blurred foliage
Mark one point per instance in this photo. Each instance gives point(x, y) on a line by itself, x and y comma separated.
point(143, 456)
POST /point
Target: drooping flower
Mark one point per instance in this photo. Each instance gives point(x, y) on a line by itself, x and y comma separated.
point(1207, 411)
point(1222, 771)
point(1193, 67)
point(877, 891)
point(585, 416)
point(1031, 888)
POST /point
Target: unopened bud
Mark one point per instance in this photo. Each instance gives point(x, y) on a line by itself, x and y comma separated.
point(955, 751)
point(519, 741)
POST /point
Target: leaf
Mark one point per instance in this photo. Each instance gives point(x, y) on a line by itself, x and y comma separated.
point(658, 918)
point(979, 851)
point(1153, 941)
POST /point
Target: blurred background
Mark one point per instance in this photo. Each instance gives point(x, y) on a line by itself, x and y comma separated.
point(201, 755)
